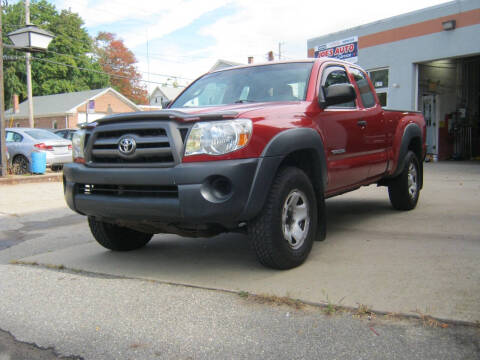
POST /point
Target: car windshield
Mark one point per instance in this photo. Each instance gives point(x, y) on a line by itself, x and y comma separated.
point(275, 82)
point(39, 134)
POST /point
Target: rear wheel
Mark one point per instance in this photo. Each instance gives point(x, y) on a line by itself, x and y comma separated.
point(404, 190)
point(282, 234)
point(20, 165)
point(117, 238)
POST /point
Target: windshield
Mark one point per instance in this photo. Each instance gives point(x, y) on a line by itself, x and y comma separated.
point(276, 82)
point(38, 134)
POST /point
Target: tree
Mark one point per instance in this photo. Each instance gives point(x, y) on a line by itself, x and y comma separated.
point(68, 65)
point(116, 59)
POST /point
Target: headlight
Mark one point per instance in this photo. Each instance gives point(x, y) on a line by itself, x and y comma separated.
point(78, 143)
point(218, 137)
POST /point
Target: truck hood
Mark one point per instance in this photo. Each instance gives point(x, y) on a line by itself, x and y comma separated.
point(200, 113)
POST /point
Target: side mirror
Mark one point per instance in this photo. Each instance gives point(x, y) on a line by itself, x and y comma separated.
point(166, 104)
point(338, 94)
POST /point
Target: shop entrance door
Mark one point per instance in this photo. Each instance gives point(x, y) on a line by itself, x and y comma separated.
point(430, 115)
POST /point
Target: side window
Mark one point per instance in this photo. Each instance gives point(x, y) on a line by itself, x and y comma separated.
point(17, 137)
point(366, 93)
point(9, 136)
point(13, 137)
point(336, 75)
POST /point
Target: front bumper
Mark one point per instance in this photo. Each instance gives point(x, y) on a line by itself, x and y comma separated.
point(196, 202)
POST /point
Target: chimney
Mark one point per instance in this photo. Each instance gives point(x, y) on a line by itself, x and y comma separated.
point(250, 59)
point(16, 108)
point(270, 56)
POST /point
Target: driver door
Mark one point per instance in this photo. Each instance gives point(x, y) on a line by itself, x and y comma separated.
point(344, 135)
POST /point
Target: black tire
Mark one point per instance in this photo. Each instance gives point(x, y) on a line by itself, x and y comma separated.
point(117, 238)
point(20, 165)
point(404, 190)
point(269, 231)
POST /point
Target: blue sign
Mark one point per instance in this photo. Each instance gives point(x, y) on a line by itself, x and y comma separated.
point(346, 49)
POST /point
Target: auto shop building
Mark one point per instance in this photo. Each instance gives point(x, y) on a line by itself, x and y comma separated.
point(427, 60)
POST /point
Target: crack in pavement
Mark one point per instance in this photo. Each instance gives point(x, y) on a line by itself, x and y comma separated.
point(13, 349)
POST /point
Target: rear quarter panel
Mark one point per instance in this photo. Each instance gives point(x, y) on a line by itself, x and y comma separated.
point(396, 121)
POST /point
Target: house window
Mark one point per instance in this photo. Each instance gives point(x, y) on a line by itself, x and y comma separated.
point(379, 79)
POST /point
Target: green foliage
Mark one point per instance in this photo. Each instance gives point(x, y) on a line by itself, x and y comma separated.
point(71, 46)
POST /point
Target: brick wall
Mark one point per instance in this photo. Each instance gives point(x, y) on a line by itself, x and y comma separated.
point(44, 122)
point(104, 104)
point(108, 101)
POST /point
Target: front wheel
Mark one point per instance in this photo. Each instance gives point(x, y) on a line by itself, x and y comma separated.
point(404, 190)
point(117, 238)
point(282, 234)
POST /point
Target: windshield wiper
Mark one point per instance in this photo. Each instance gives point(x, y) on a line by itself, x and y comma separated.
point(244, 101)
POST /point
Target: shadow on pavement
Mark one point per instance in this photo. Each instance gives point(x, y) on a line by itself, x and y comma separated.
point(347, 212)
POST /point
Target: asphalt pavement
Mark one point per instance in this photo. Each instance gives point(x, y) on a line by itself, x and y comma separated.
point(108, 318)
point(173, 299)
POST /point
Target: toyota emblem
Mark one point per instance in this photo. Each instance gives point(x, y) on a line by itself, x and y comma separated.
point(127, 146)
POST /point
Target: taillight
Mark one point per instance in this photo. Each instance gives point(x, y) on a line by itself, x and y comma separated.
point(69, 147)
point(42, 146)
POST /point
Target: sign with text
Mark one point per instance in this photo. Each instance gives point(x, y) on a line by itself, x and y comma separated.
point(346, 49)
point(91, 107)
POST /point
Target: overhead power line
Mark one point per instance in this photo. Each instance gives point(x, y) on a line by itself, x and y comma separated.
point(97, 71)
point(16, 57)
point(144, 72)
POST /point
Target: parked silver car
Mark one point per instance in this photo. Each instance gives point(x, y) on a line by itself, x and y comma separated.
point(66, 133)
point(22, 141)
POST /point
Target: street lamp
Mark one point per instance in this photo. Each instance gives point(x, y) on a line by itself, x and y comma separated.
point(30, 39)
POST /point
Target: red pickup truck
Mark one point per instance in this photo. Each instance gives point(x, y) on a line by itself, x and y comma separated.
point(254, 149)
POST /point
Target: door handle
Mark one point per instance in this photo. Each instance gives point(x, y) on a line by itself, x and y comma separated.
point(362, 123)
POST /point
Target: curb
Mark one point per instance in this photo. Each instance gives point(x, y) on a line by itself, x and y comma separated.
point(20, 179)
point(401, 315)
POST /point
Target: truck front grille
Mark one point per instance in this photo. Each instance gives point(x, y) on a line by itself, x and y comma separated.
point(164, 191)
point(153, 146)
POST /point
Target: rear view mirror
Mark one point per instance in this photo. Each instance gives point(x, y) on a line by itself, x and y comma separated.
point(338, 94)
point(166, 104)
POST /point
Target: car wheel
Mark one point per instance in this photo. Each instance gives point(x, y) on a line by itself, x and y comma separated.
point(404, 190)
point(20, 165)
point(282, 234)
point(117, 238)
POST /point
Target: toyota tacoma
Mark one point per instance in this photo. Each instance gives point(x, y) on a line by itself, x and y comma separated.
point(254, 149)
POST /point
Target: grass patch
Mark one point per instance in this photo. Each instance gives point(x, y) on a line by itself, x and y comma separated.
point(273, 300)
point(428, 321)
point(20, 262)
point(243, 294)
point(34, 263)
point(363, 311)
point(330, 308)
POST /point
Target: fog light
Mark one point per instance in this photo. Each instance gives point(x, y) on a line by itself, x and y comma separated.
point(217, 189)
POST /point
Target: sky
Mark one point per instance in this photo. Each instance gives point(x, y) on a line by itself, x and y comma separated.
point(184, 38)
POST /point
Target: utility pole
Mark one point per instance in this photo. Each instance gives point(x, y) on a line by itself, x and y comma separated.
point(280, 50)
point(29, 71)
point(3, 146)
point(148, 61)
